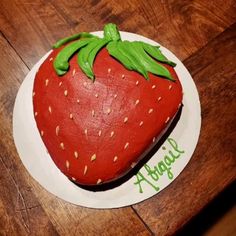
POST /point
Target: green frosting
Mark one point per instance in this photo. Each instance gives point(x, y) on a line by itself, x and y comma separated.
point(111, 33)
point(150, 175)
point(136, 56)
point(61, 62)
point(87, 55)
point(72, 38)
point(116, 52)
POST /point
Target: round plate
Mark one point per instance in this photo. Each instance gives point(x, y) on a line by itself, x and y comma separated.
point(161, 169)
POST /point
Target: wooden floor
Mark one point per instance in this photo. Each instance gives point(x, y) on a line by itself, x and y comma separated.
point(202, 34)
point(226, 225)
point(217, 219)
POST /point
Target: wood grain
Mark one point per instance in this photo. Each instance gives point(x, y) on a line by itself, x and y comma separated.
point(225, 226)
point(200, 32)
point(21, 213)
point(213, 165)
point(181, 26)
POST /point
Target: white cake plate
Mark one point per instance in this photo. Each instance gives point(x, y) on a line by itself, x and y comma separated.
point(37, 161)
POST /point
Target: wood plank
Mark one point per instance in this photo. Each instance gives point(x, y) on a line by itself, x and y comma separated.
point(70, 219)
point(185, 26)
point(216, 216)
point(213, 165)
point(182, 26)
point(23, 202)
point(31, 27)
point(168, 22)
point(21, 213)
point(225, 226)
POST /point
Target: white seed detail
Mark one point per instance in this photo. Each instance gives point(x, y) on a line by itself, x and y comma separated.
point(123, 76)
point(73, 73)
point(36, 113)
point(159, 99)
point(57, 130)
point(46, 82)
point(115, 96)
point(137, 82)
point(77, 101)
point(126, 145)
point(99, 181)
point(170, 87)
point(76, 154)
point(108, 111)
point(51, 59)
point(62, 146)
point(67, 164)
point(112, 133)
point(115, 158)
point(41, 132)
point(60, 84)
point(73, 178)
point(85, 131)
point(65, 92)
point(109, 70)
point(141, 123)
point(153, 86)
point(33, 94)
point(71, 116)
point(168, 118)
point(137, 102)
point(99, 133)
point(93, 157)
point(85, 84)
point(96, 95)
point(150, 110)
point(93, 113)
point(85, 170)
point(133, 165)
point(50, 109)
point(125, 119)
point(154, 139)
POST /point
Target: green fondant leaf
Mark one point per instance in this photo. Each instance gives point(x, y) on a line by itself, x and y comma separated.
point(61, 62)
point(137, 56)
point(72, 38)
point(133, 57)
point(149, 64)
point(156, 53)
point(87, 55)
point(114, 51)
point(128, 50)
point(111, 32)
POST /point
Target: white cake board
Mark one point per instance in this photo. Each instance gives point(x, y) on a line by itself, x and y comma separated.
point(37, 161)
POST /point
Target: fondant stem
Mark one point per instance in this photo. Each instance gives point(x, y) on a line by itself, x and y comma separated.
point(111, 32)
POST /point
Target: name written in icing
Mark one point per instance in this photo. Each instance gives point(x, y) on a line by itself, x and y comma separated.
point(153, 174)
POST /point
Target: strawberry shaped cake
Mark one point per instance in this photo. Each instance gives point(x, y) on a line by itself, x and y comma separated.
point(101, 103)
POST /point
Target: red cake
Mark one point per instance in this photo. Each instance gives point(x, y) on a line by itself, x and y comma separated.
point(101, 103)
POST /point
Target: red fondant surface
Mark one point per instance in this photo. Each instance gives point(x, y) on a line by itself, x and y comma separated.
point(100, 108)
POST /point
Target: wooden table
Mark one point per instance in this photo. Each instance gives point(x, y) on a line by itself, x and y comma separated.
point(201, 33)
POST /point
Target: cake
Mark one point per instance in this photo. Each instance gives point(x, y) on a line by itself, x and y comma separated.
point(101, 103)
